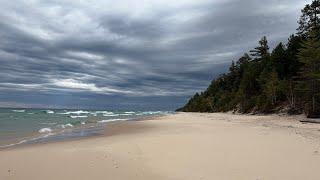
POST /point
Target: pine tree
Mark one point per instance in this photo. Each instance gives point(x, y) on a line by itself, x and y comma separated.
point(280, 61)
point(293, 46)
point(289, 76)
point(261, 51)
point(310, 19)
point(309, 56)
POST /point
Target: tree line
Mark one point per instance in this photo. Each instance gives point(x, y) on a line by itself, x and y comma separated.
point(285, 79)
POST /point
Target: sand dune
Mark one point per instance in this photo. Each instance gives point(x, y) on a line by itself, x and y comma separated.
point(184, 146)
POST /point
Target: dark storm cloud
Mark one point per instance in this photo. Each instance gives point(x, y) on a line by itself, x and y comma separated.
point(128, 49)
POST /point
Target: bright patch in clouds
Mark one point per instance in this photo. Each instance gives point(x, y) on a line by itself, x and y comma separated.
point(78, 85)
point(129, 49)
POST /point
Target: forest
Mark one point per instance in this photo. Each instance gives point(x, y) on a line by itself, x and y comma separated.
point(285, 79)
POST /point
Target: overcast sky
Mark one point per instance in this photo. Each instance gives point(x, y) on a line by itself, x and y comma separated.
point(128, 53)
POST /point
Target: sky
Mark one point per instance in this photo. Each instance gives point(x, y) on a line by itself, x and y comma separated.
point(128, 54)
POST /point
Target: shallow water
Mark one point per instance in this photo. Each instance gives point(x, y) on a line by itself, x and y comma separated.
point(22, 126)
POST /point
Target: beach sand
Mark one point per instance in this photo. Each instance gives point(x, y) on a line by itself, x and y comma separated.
point(183, 146)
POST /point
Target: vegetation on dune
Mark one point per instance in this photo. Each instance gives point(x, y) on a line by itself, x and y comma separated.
point(286, 79)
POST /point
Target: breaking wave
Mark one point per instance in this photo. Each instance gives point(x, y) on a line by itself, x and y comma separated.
point(19, 110)
point(45, 130)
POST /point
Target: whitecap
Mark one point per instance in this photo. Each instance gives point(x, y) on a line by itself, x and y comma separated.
point(104, 112)
point(45, 130)
point(19, 110)
point(76, 112)
point(129, 112)
point(73, 117)
point(49, 112)
point(153, 112)
point(66, 125)
point(112, 120)
point(110, 115)
point(125, 114)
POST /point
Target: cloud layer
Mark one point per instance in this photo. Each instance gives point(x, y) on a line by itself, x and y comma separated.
point(129, 51)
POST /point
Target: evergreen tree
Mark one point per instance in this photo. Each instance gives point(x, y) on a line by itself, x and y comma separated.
point(261, 51)
point(293, 46)
point(287, 77)
point(310, 19)
point(280, 61)
point(310, 74)
point(271, 87)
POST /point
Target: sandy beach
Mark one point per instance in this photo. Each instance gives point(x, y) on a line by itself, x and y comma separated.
point(183, 146)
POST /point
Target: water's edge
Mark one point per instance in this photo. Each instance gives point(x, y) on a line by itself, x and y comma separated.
point(77, 131)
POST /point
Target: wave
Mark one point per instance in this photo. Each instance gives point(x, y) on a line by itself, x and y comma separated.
point(19, 110)
point(153, 112)
point(13, 144)
point(66, 125)
point(49, 112)
point(104, 112)
point(125, 114)
point(112, 120)
point(110, 115)
point(73, 117)
point(28, 140)
point(75, 112)
point(129, 112)
point(45, 130)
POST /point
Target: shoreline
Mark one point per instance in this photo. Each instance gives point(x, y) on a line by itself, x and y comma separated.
point(37, 138)
point(177, 146)
point(112, 127)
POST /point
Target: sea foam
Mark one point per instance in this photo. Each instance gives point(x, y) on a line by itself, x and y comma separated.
point(66, 125)
point(19, 111)
point(45, 130)
point(110, 115)
point(75, 112)
point(73, 117)
point(49, 112)
point(112, 120)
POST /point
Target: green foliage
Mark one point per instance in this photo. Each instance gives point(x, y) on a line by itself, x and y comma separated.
point(309, 56)
point(262, 50)
point(310, 19)
point(265, 82)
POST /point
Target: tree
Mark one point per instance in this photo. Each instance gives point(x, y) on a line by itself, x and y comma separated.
point(287, 77)
point(293, 46)
point(271, 87)
point(248, 89)
point(280, 61)
point(261, 51)
point(309, 56)
point(287, 89)
point(310, 19)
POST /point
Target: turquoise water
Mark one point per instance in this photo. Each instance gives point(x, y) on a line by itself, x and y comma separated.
point(22, 126)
